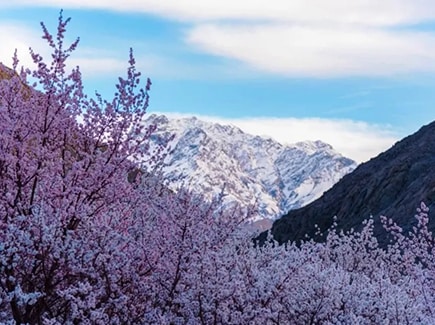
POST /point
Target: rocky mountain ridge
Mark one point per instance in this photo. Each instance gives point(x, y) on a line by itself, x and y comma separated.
point(392, 184)
point(210, 158)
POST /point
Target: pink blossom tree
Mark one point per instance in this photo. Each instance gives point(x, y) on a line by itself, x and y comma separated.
point(66, 163)
point(86, 236)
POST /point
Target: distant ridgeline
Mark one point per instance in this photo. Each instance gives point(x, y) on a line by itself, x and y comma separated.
point(393, 184)
point(209, 157)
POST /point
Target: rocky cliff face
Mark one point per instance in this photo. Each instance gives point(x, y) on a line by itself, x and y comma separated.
point(211, 158)
point(392, 184)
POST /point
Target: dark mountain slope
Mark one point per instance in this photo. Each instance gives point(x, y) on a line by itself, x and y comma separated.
point(392, 184)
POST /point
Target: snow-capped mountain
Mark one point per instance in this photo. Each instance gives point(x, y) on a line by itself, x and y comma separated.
point(210, 158)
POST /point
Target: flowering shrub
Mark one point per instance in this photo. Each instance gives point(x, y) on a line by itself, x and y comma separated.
point(85, 237)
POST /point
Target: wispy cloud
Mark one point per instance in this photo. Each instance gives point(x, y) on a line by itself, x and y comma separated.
point(367, 12)
point(104, 61)
point(354, 139)
point(99, 66)
point(319, 51)
point(357, 94)
point(92, 61)
point(16, 37)
point(351, 108)
point(298, 38)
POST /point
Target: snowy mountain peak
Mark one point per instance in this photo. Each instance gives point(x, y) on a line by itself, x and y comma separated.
point(314, 146)
point(208, 157)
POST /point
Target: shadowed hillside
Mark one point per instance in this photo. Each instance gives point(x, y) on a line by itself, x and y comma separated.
point(392, 184)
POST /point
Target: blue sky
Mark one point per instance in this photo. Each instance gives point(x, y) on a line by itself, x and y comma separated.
point(358, 75)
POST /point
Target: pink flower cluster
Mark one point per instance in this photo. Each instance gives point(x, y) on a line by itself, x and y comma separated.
point(86, 236)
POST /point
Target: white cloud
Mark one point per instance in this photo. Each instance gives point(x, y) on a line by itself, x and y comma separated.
point(368, 12)
point(297, 38)
point(318, 51)
point(18, 36)
point(15, 36)
point(354, 139)
point(99, 66)
point(99, 62)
